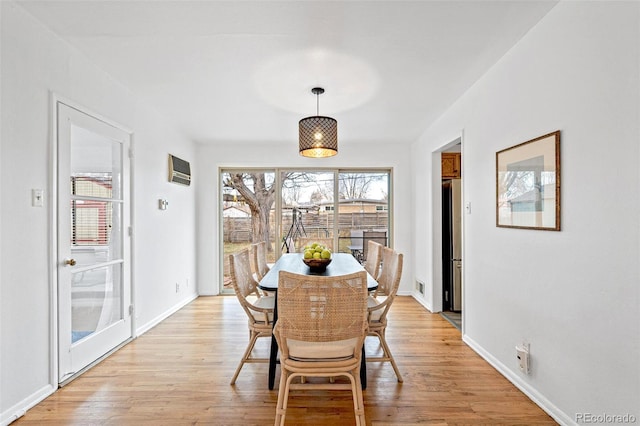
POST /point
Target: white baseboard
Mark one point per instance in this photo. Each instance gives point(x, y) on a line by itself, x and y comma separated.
point(18, 410)
point(418, 297)
point(540, 400)
point(164, 315)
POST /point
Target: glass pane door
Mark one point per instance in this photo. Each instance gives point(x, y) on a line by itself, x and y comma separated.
point(307, 209)
point(96, 226)
point(93, 245)
point(248, 209)
point(363, 210)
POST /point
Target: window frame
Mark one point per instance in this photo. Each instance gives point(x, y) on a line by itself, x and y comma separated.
point(277, 205)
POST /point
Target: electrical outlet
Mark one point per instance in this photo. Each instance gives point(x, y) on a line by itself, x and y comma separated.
point(522, 355)
point(177, 287)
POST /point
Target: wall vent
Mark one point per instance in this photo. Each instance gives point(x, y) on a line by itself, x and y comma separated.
point(179, 171)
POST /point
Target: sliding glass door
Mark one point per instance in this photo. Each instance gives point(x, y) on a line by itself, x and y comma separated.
point(304, 195)
point(247, 209)
point(363, 210)
point(285, 207)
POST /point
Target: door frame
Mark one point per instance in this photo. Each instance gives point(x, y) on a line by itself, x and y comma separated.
point(436, 223)
point(52, 198)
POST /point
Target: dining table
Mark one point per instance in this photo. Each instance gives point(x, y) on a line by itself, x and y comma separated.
point(341, 264)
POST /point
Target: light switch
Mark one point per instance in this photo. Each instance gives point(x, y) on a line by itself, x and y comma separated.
point(468, 207)
point(37, 197)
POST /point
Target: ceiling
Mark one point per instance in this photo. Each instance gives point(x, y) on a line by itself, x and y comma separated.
point(242, 71)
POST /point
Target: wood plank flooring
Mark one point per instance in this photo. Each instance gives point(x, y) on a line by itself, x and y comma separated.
point(178, 373)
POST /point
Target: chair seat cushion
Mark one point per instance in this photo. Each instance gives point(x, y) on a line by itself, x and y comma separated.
point(268, 302)
point(321, 351)
point(372, 302)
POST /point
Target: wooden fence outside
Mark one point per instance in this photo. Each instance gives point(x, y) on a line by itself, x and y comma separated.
point(238, 229)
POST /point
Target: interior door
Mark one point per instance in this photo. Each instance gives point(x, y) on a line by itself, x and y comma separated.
point(94, 288)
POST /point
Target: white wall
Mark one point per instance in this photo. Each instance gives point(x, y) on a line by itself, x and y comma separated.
point(210, 160)
point(34, 63)
point(574, 294)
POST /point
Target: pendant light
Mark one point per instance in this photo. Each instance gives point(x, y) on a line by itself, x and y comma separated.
point(318, 134)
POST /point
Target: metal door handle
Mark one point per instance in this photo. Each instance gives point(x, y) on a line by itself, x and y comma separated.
point(71, 262)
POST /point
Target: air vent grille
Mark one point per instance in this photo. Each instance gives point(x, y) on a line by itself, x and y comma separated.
point(179, 171)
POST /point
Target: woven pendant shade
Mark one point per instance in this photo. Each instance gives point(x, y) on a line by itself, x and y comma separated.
point(318, 135)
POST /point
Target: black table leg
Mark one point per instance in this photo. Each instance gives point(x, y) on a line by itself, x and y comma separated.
point(363, 370)
point(272, 362)
point(273, 354)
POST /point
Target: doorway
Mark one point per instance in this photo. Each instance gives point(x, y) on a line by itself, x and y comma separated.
point(93, 241)
point(451, 213)
point(451, 245)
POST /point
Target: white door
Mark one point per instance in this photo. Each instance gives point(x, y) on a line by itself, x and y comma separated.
point(94, 287)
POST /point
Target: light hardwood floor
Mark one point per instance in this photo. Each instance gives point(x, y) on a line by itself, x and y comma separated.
point(179, 372)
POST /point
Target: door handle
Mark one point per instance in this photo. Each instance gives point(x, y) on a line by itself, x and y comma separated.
point(70, 262)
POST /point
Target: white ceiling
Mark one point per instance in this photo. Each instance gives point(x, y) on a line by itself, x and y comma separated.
point(242, 71)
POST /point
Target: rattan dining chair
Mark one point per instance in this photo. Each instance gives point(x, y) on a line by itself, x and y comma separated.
point(259, 253)
point(379, 236)
point(321, 327)
point(259, 308)
point(380, 303)
point(374, 256)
